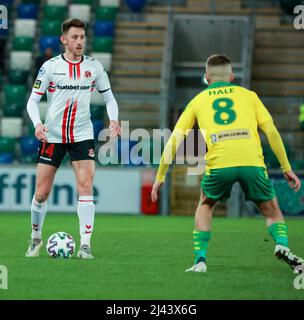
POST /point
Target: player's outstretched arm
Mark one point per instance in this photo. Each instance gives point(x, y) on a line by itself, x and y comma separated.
point(183, 125)
point(167, 157)
point(278, 148)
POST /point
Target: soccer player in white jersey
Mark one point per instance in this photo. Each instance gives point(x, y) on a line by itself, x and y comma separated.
point(68, 79)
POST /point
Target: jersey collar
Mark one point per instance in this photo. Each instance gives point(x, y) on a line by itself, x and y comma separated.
point(220, 84)
point(73, 63)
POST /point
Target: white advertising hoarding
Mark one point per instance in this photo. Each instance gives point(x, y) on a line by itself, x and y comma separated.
point(115, 190)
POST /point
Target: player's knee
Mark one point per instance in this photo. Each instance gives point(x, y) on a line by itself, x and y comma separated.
point(270, 209)
point(85, 187)
point(41, 196)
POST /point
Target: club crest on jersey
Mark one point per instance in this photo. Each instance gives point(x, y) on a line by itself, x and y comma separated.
point(88, 74)
point(91, 153)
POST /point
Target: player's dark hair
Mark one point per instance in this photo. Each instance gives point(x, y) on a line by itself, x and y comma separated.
point(218, 60)
point(74, 22)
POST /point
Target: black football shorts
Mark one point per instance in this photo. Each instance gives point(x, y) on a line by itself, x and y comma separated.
point(53, 153)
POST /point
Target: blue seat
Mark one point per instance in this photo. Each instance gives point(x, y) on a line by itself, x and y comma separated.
point(7, 3)
point(6, 158)
point(3, 33)
point(104, 28)
point(28, 145)
point(136, 5)
point(27, 11)
point(124, 150)
point(97, 127)
point(49, 42)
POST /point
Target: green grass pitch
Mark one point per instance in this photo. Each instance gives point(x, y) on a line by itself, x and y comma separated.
point(142, 257)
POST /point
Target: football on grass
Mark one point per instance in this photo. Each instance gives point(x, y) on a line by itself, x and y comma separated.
point(60, 245)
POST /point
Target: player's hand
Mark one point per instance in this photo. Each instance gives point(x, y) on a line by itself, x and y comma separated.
point(293, 180)
point(156, 186)
point(40, 131)
point(115, 129)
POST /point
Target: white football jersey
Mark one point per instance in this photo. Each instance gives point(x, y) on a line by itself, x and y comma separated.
point(69, 86)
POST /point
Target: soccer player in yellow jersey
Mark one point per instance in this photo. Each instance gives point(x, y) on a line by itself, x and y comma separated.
point(229, 117)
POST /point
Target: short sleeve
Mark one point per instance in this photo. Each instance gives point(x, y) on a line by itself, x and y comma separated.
point(262, 114)
point(42, 81)
point(102, 79)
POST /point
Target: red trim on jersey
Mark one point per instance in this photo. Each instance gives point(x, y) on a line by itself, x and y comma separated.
point(64, 121)
point(70, 70)
point(41, 93)
point(72, 121)
point(86, 200)
point(78, 70)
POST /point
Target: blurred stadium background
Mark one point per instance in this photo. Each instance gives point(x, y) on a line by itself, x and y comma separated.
point(154, 52)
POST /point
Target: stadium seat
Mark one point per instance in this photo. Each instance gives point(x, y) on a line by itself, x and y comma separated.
point(21, 60)
point(23, 43)
point(11, 127)
point(97, 127)
point(297, 164)
point(7, 144)
point(14, 93)
point(106, 13)
point(54, 12)
point(18, 76)
point(104, 58)
point(29, 129)
point(51, 27)
point(109, 3)
point(62, 3)
point(104, 28)
point(103, 44)
point(7, 3)
point(80, 11)
point(136, 5)
point(3, 33)
point(6, 158)
point(31, 1)
point(49, 42)
point(25, 27)
point(27, 11)
point(89, 2)
point(28, 145)
point(13, 109)
point(97, 112)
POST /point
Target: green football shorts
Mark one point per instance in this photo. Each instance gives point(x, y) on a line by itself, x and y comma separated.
point(217, 183)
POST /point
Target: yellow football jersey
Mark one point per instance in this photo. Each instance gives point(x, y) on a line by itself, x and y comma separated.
point(228, 116)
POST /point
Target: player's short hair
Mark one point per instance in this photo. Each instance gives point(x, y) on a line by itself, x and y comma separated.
point(218, 66)
point(218, 60)
point(73, 22)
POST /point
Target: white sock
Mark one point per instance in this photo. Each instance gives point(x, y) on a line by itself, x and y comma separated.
point(86, 212)
point(38, 212)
